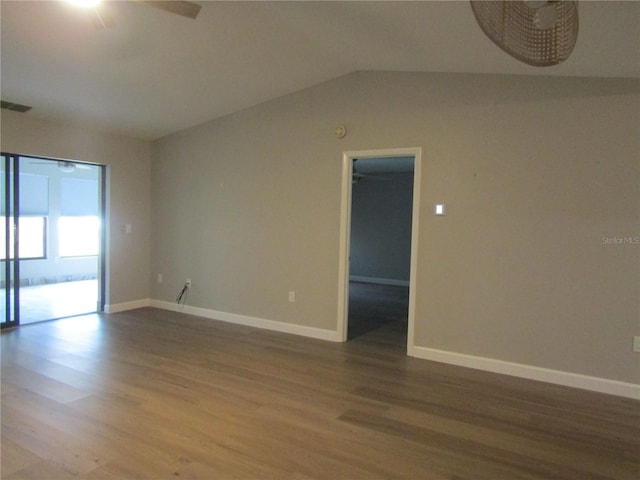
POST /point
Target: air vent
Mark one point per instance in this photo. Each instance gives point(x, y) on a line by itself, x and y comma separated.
point(16, 107)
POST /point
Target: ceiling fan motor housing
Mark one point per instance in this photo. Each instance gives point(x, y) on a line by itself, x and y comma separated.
point(538, 33)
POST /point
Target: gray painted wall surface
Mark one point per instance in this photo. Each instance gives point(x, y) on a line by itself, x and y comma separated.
point(535, 172)
point(540, 176)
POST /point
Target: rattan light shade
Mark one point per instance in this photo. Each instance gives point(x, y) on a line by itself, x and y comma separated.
point(511, 24)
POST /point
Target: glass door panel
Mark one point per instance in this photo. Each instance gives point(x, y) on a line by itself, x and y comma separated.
point(9, 249)
point(60, 206)
point(52, 244)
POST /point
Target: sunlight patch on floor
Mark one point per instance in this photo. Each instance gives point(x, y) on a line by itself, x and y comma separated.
point(57, 300)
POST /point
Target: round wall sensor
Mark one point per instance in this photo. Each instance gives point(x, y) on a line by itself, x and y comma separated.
point(340, 131)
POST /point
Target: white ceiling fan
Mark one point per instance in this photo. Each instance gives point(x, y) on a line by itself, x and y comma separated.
point(104, 19)
point(357, 176)
point(64, 166)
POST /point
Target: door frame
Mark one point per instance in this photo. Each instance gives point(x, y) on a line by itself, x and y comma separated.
point(345, 234)
point(11, 264)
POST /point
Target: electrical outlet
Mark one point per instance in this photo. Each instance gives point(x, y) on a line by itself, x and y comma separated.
point(636, 344)
point(292, 296)
point(160, 278)
point(188, 283)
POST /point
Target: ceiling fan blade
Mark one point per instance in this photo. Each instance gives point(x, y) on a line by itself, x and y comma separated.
point(179, 7)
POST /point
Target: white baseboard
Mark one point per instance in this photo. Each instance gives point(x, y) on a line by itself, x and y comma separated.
point(122, 307)
point(585, 382)
point(319, 333)
point(379, 281)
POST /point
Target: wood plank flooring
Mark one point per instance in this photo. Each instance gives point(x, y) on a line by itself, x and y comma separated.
point(151, 394)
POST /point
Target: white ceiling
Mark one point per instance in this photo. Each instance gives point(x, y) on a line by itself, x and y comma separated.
point(155, 73)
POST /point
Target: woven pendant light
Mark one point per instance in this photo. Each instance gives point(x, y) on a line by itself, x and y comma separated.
point(539, 33)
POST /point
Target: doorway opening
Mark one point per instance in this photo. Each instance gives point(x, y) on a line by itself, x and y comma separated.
point(378, 245)
point(53, 246)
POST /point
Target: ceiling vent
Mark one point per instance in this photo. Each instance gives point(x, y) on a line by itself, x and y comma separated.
point(16, 107)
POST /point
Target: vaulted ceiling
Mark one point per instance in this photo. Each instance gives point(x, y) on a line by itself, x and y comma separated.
point(153, 73)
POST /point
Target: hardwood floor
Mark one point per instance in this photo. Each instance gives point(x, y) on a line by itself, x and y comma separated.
point(155, 394)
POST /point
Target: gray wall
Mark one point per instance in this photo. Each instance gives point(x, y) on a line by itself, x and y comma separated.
point(540, 176)
point(381, 228)
point(128, 162)
point(535, 171)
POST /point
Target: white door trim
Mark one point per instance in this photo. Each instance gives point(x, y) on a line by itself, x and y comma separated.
point(345, 233)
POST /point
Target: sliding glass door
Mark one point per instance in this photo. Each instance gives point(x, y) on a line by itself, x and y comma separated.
point(53, 239)
point(9, 248)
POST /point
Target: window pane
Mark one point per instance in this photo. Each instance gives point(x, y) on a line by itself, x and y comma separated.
point(32, 238)
point(79, 236)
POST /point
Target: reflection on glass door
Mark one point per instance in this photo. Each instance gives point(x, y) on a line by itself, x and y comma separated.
point(57, 210)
